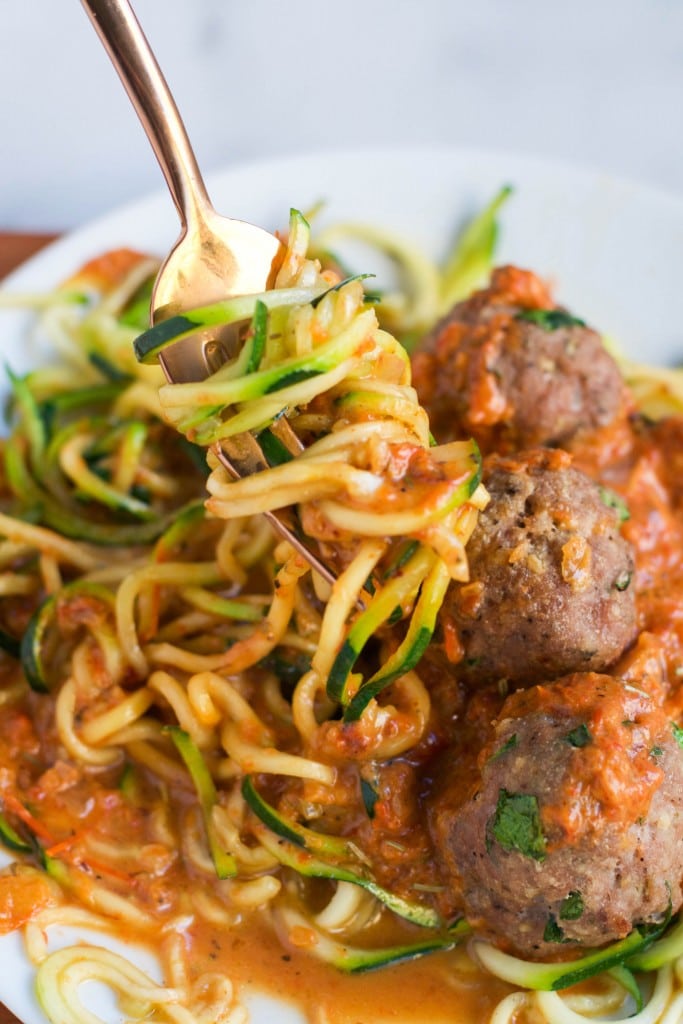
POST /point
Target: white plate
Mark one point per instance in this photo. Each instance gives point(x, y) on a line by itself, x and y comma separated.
point(612, 248)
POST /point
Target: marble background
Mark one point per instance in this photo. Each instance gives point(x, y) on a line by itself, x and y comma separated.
point(599, 82)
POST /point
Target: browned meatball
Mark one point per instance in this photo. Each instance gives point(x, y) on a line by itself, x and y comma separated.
point(572, 832)
point(550, 575)
point(514, 371)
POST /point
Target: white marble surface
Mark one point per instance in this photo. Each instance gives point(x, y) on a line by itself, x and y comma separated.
point(595, 81)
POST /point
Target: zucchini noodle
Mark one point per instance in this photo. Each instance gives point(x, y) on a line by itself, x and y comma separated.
point(197, 731)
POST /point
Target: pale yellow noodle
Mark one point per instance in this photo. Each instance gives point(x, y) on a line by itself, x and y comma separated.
point(211, 999)
point(168, 573)
point(62, 324)
point(510, 1009)
point(344, 439)
point(117, 571)
point(64, 718)
point(308, 645)
point(265, 636)
point(255, 892)
point(364, 523)
point(193, 839)
point(556, 1010)
point(161, 827)
point(120, 908)
point(227, 549)
point(348, 904)
point(257, 543)
point(63, 972)
point(310, 705)
point(610, 998)
point(128, 710)
point(188, 624)
point(251, 858)
point(177, 697)
point(307, 617)
point(11, 552)
point(174, 953)
point(252, 758)
point(43, 539)
point(278, 706)
point(297, 483)
point(214, 910)
point(157, 761)
point(15, 583)
point(139, 397)
point(73, 464)
point(36, 930)
point(50, 572)
point(345, 591)
point(674, 1011)
point(211, 697)
point(143, 856)
point(158, 484)
point(144, 729)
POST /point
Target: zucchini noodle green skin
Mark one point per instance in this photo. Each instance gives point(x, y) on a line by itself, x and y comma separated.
point(152, 342)
point(472, 258)
point(11, 839)
point(33, 640)
point(296, 847)
point(640, 950)
point(224, 862)
point(409, 652)
point(427, 291)
point(80, 508)
point(357, 960)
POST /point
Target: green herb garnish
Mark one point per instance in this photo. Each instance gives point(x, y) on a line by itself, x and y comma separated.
point(571, 907)
point(509, 744)
point(553, 932)
point(516, 824)
point(612, 500)
point(579, 737)
point(550, 319)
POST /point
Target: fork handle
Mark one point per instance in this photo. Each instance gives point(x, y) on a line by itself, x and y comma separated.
point(130, 53)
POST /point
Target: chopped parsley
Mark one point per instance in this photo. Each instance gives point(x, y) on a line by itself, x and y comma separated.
point(550, 319)
point(678, 734)
point(516, 824)
point(509, 744)
point(579, 737)
point(553, 932)
point(615, 501)
point(656, 753)
point(571, 907)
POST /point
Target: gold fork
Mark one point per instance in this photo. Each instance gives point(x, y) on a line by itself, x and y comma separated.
point(214, 257)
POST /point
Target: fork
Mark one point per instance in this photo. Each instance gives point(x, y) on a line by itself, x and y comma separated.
point(215, 257)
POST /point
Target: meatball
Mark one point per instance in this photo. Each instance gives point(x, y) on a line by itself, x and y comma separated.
point(572, 832)
point(514, 371)
point(550, 575)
